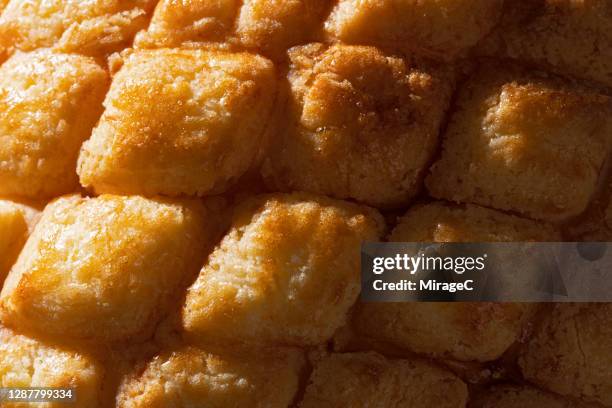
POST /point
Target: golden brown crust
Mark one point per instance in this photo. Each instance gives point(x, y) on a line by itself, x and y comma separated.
point(442, 28)
point(180, 122)
point(460, 331)
point(518, 140)
point(570, 352)
point(16, 222)
point(105, 268)
point(361, 124)
point(286, 273)
point(95, 28)
point(233, 378)
point(25, 362)
point(370, 380)
point(572, 37)
point(444, 222)
point(49, 104)
point(268, 27)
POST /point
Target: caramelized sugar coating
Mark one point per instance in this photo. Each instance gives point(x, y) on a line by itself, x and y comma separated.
point(509, 396)
point(16, 222)
point(286, 273)
point(180, 122)
point(443, 28)
point(370, 380)
point(232, 378)
point(361, 124)
point(268, 27)
point(570, 352)
point(25, 362)
point(525, 142)
point(460, 331)
point(49, 103)
point(573, 37)
point(105, 268)
point(95, 27)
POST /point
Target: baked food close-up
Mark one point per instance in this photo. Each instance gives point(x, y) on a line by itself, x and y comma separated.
point(185, 188)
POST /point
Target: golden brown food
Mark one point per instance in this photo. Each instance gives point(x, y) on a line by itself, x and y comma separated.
point(570, 352)
point(25, 362)
point(16, 222)
point(443, 28)
point(286, 273)
point(508, 396)
point(572, 37)
point(265, 26)
point(191, 377)
point(526, 142)
point(461, 331)
point(444, 222)
point(180, 122)
point(95, 28)
point(370, 380)
point(361, 124)
point(49, 103)
point(104, 268)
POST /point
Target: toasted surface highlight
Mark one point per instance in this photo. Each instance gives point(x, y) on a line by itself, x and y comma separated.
point(25, 362)
point(49, 102)
point(105, 268)
point(519, 139)
point(361, 124)
point(189, 376)
point(286, 273)
point(95, 28)
point(368, 379)
point(461, 331)
point(16, 222)
point(570, 352)
point(443, 28)
point(572, 37)
point(268, 27)
point(180, 122)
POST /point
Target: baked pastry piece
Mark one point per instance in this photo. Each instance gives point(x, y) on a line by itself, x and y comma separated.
point(462, 331)
point(572, 37)
point(269, 27)
point(526, 142)
point(286, 273)
point(231, 378)
point(25, 362)
point(445, 29)
point(440, 221)
point(49, 103)
point(105, 268)
point(95, 28)
point(524, 396)
point(570, 352)
point(180, 122)
point(16, 222)
point(370, 380)
point(361, 124)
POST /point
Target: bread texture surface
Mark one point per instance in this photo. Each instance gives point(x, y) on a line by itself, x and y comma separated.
point(105, 268)
point(180, 122)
